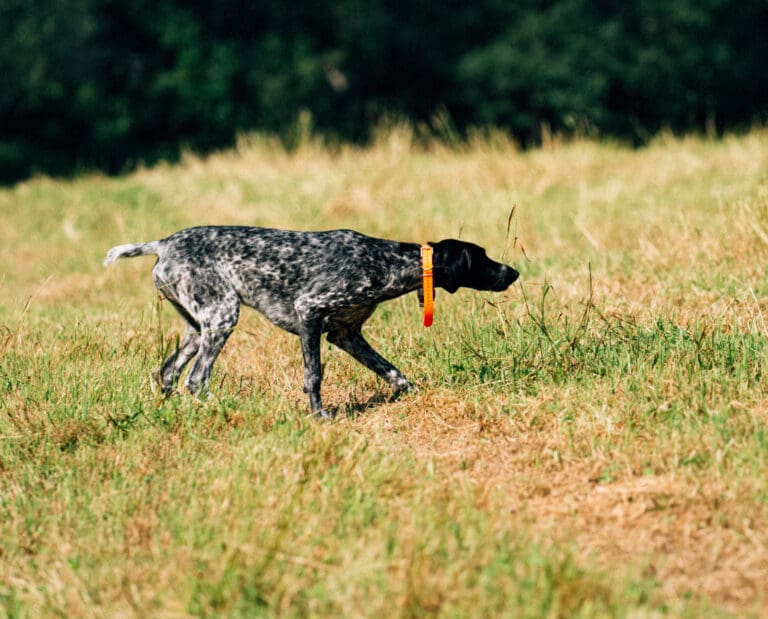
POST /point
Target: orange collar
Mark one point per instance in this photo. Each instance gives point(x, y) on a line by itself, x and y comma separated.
point(427, 285)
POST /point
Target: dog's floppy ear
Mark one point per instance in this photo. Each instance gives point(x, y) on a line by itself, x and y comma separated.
point(452, 264)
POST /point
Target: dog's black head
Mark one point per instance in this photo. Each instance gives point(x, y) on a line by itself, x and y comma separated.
point(458, 264)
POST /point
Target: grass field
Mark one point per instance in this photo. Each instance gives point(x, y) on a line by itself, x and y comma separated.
point(591, 443)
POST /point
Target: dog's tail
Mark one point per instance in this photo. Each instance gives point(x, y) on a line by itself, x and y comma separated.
point(131, 250)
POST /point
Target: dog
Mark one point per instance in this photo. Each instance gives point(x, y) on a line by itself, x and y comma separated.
point(307, 283)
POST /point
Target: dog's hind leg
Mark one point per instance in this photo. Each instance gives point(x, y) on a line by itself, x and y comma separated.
point(215, 329)
point(167, 375)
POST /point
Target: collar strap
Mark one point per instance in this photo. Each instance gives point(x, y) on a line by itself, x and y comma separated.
point(427, 285)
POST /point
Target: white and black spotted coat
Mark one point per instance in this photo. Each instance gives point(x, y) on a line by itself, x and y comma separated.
point(307, 283)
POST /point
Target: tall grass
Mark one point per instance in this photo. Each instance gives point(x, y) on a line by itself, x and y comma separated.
point(590, 443)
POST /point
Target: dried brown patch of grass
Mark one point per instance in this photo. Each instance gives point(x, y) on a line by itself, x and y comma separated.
point(695, 534)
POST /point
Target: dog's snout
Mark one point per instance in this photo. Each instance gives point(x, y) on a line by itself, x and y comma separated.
point(513, 275)
point(507, 277)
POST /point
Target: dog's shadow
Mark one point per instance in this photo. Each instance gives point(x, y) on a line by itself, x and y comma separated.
point(352, 410)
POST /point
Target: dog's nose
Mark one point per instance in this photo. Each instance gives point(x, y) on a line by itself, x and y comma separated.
point(507, 276)
point(513, 275)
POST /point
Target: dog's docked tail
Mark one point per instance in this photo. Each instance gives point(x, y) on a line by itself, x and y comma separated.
point(131, 250)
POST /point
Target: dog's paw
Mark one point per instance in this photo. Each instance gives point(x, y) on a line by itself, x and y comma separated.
point(324, 415)
point(403, 387)
point(156, 384)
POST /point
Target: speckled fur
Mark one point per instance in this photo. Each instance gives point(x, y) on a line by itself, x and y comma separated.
point(308, 283)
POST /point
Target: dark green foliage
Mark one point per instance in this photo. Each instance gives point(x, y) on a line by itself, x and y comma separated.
point(110, 84)
point(627, 69)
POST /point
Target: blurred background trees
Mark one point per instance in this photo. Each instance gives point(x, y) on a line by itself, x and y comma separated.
point(107, 84)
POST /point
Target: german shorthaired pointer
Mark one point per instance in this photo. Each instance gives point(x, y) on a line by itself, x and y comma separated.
point(308, 283)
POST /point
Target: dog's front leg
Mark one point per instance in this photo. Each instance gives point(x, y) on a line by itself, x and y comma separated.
point(353, 343)
point(311, 330)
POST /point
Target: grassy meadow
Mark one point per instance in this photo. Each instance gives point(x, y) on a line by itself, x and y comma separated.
point(592, 442)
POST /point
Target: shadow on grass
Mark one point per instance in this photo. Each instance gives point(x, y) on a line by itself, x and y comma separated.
point(352, 410)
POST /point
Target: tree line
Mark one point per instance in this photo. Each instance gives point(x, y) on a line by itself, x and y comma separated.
point(107, 84)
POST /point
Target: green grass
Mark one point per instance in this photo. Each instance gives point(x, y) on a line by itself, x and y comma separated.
point(591, 443)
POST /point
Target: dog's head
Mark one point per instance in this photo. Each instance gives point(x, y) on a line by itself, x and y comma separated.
point(458, 264)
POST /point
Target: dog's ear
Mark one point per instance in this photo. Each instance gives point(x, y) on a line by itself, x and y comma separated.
point(452, 263)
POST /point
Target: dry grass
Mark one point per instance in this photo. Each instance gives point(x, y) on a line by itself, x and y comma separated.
point(591, 443)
